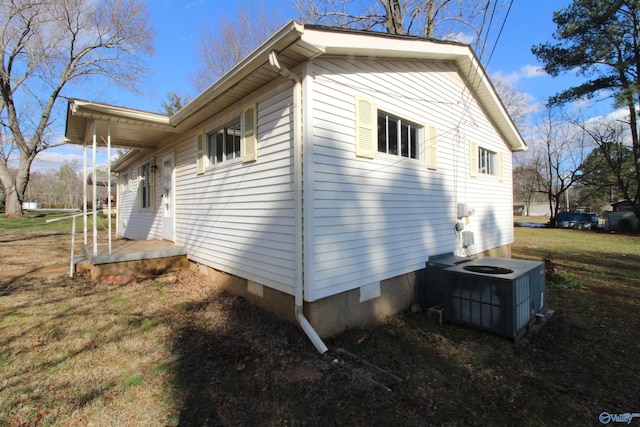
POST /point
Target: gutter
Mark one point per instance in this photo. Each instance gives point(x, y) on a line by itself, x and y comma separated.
point(297, 173)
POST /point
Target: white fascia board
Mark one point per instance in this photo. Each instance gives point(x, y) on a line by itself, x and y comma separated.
point(381, 45)
point(89, 109)
point(478, 81)
point(385, 46)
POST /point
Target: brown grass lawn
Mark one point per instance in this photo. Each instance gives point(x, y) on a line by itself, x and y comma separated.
point(176, 351)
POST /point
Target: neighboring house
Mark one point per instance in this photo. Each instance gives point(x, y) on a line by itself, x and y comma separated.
point(322, 171)
point(623, 206)
point(532, 209)
point(621, 211)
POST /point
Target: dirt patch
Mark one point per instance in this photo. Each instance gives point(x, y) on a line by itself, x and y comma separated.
point(37, 255)
point(301, 373)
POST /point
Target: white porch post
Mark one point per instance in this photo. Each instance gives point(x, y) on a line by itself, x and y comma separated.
point(84, 191)
point(95, 193)
point(109, 181)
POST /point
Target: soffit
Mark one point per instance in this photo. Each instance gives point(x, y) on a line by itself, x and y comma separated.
point(127, 128)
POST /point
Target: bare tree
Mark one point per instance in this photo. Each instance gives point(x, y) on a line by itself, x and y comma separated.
point(520, 105)
point(69, 181)
point(530, 180)
point(48, 44)
point(563, 148)
point(222, 45)
point(617, 156)
point(443, 19)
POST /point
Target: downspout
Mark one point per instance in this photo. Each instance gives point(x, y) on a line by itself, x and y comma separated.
point(297, 173)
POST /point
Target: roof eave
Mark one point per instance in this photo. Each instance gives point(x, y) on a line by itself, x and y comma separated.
point(284, 37)
point(388, 46)
point(88, 109)
point(479, 82)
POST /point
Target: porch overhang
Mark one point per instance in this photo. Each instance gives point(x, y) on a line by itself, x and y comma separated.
point(128, 128)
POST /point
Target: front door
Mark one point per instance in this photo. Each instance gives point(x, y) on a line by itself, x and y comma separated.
point(168, 163)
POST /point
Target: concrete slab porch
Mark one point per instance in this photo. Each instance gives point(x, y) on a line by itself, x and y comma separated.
point(137, 258)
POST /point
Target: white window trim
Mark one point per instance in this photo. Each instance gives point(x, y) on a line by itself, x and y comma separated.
point(489, 160)
point(210, 154)
point(366, 131)
point(419, 150)
point(495, 162)
point(248, 118)
point(125, 182)
point(151, 185)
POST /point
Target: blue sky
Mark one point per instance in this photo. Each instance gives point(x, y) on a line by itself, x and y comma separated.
point(178, 24)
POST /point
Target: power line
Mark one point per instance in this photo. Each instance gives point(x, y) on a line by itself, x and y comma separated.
point(493, 12)
point(504, 21)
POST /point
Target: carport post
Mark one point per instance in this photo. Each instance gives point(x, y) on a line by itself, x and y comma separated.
point(109, 181)
point(84, 191)
point(95, 192)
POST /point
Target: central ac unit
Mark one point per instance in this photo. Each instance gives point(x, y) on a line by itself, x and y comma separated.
point(500, 295)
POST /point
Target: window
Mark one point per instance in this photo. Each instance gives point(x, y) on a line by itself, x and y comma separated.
point(397, 136)
point(224, 144)
point(487, 162)
point(144, 185)
point(125, 185)
point(237, 140)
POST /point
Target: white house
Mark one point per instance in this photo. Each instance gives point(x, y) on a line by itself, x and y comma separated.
point(323, 171)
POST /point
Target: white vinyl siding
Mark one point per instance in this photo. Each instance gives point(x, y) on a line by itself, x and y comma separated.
point(368, 217)
point(240, 218)
point(380, 218)
point(432, 147)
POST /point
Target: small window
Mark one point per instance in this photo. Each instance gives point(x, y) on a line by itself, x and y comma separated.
point(224, 144)
point(144, 185)
point(397, 136)
point(487, 162)
point(125, 185)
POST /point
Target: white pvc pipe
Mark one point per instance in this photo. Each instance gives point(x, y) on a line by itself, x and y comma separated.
point(297, 160)
point(73, 247)
point(73, 240)
point(95, 192)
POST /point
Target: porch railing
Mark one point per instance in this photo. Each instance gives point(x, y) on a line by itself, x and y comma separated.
point(73, 236)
